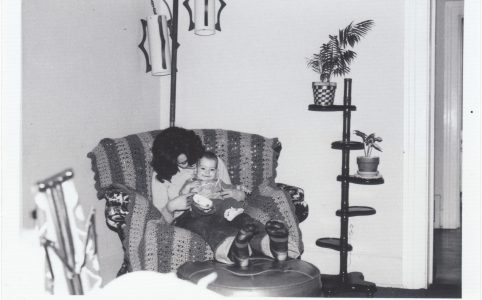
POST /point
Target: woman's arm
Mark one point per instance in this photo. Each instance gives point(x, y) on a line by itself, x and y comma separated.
point(160, 198)
point(190, 186)
point(159, 193)
point(169, 208)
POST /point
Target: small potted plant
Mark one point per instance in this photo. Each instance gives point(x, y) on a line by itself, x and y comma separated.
point(368, 164)
point(334, 59)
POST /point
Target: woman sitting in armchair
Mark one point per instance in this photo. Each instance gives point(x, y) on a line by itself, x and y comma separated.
point(136, 176)
point(175, 154)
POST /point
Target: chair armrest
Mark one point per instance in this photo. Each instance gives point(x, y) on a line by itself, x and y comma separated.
point(297, 196)
point(116, 210)
point(149, 243)
point(117, 215)
point(116, 207)
point(270, 202)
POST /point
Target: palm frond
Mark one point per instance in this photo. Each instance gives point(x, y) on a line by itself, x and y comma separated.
point(352, 34)
point(348, 56)
point(363, 27)
point(344, 33)
point(314, 63)
point(327, 60)
point(345, 58)
point(341, 70)
point(333, 59)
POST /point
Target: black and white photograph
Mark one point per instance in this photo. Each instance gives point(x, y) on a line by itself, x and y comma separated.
point(240, 148)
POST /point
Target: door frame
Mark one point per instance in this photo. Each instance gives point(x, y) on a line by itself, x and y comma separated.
point(448, 213)
point(417, 155)
point(417, 232)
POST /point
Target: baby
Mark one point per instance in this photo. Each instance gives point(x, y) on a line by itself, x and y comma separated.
point(217, 215)
point(226, 199)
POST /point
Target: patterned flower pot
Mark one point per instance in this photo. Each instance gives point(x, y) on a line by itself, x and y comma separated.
point(324, 93)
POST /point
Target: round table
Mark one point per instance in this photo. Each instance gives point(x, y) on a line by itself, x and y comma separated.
point(264, 277)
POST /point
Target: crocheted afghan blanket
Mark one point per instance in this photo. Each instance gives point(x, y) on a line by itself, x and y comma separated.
point(123, 164)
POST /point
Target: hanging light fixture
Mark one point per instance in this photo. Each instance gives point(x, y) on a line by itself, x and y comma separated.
point(157, 29)
point(204, 14)
point(156, 32)
point(159, 45)
point(205, 20)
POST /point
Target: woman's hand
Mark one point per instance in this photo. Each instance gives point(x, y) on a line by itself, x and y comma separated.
point(195, 186)
point(182, 202)
point(236, 194)
point(191, 187)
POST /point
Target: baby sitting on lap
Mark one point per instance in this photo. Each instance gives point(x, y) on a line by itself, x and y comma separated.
point(217, 216)
point(212, 195)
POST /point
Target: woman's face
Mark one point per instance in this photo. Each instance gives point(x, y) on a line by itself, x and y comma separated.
point(183, 163)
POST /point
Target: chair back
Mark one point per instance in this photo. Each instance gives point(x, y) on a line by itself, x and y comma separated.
point(251, 159)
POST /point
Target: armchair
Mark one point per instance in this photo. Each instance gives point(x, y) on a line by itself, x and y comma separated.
point(123, 174)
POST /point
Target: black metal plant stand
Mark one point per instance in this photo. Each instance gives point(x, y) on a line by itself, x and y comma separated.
point(344, 281)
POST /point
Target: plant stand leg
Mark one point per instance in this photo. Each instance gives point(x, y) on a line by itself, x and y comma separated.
point(332, 284)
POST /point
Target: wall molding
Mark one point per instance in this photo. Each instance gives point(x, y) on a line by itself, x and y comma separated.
point(416, 157)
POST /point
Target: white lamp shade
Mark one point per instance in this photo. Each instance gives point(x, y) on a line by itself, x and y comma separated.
point(159, 45)
point(204, 17)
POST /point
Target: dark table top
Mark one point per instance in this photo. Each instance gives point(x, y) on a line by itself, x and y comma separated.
point(263, 277)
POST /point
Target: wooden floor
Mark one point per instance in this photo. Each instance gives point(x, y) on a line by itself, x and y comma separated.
point(447, 256)
point(447, 271)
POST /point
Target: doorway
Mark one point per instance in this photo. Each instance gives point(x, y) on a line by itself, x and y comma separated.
point(447, 246)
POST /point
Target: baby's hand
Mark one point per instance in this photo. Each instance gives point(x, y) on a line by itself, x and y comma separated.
point(191, 187)
point(215, 195)
point(195, 186)
point(231, 213)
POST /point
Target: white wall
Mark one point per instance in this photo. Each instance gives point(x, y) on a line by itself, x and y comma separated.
point(83, 80)
point(253, 77)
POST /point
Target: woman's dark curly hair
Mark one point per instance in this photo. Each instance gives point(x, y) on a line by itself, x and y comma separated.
point(168, 145)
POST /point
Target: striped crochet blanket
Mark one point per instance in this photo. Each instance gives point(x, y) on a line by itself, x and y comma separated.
point(152, 244)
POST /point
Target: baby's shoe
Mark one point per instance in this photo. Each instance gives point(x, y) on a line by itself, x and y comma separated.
point(278, 239)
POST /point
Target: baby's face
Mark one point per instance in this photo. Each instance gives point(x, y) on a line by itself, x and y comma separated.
point(206, 169)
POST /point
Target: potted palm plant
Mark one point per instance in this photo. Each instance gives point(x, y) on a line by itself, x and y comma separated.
point(334, 59)
point(368, 164)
